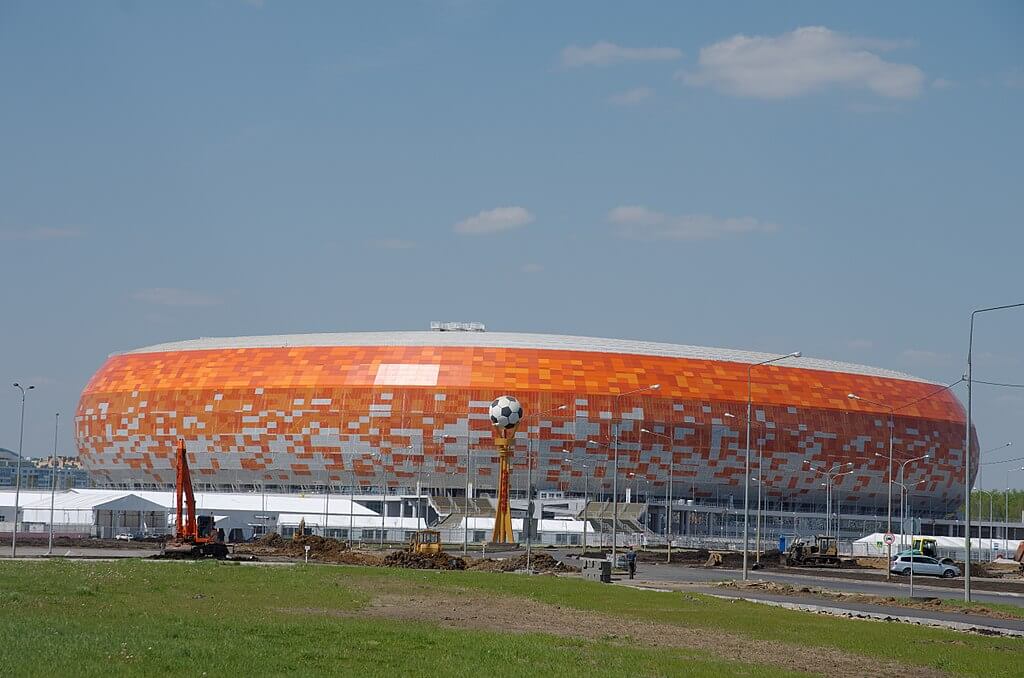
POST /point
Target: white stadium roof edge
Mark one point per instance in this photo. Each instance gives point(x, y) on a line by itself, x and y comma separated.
point(552, 342)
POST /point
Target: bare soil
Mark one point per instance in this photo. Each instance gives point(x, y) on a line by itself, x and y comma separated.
point(474, 610)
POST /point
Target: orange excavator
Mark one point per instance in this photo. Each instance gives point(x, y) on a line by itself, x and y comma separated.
point(194, 536)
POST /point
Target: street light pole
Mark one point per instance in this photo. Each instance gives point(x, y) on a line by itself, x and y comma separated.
point(967, 451)
point(528, 522)
point(586, 499)
point(746, 462)
point(671, 478)
point(888, 528)
point(903, 519)
point(53, 480)
point(615, 466)
point(17, 469)
point(1006, 506)
point(465, 520)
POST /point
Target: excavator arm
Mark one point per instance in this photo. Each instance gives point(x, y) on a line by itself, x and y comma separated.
point(186, 529)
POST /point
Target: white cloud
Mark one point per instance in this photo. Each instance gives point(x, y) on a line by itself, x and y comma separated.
point(806, 59)
point(632, 97)
point(41, 233)
point(860, 344)
point(494, 221)
point(171, 296)
point(393, 244)
point(942, 83)
point(531, 268)
point(607, 53)
point(641, 223)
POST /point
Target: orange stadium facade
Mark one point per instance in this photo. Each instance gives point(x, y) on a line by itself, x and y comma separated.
point(401, 408)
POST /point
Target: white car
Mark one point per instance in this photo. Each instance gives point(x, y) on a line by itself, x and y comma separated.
point(925, 565)
point(124, 536)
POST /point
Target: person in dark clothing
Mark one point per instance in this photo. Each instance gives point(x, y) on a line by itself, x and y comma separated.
point(631, 561)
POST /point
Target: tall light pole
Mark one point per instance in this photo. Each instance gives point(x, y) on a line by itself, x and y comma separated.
point(53, 480)
point(904, 498)
point(671, 478)
point(465, 522)
point(746, 462)
point(888, 527)
point(830, 477)
point(1006, 505)
point(615, 464)
point(17, 469)
point(383, 495)
point(903, 519)
point(586, 492)
point(528, 522)
point(967, 451)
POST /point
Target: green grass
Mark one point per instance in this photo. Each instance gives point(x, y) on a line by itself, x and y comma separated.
point(139, 618)
point(949, 651)
point(148, 618)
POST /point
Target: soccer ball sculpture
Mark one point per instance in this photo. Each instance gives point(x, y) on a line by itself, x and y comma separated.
point(506, 412)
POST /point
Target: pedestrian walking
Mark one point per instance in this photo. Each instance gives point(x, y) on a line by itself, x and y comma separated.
point(631, 561)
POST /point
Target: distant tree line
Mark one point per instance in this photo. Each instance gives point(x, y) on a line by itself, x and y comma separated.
point(999, 499)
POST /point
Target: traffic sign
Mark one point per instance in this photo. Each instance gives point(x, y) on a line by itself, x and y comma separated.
point(889, 538)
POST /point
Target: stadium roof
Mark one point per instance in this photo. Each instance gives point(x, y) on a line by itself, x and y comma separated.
point(551, 342)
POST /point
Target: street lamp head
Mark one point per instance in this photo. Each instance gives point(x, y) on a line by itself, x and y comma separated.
point(655, 387)
point(730, 415)
point(853, 396)
point(643, 430)
point(795, 354)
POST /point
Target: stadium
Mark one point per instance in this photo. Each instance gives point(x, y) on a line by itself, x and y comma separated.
point(408, 410)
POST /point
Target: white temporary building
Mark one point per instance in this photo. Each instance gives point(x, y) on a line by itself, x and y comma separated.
point(99, 513)
point(948, 547)
point(549, 531)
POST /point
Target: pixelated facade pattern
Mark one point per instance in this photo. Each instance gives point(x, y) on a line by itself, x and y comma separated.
point(401, 414)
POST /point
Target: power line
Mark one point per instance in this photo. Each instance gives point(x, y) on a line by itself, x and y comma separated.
point(997, 383)
point(929, 395)
point(1001, 461)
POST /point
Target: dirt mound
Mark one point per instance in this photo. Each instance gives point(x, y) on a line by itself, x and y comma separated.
point(424, 561)
point(539, 562)
point(320, 549)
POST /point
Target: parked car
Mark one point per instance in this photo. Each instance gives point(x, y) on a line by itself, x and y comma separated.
point(923, 565)
point(124, 536)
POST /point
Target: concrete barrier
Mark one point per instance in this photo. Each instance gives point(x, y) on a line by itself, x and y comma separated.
point(598, 569)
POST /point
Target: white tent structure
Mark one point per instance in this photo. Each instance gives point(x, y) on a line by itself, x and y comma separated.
point(98, 513)
point(948, 547)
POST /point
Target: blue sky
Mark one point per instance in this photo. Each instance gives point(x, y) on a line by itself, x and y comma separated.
point(843, 180)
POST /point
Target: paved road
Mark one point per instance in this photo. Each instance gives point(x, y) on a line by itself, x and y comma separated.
point(871, 609)
point(79, 552)
point(898, 587)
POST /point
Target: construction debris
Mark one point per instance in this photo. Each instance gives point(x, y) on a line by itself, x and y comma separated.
point(320, 549)
point(539, 562)
point(424, 561)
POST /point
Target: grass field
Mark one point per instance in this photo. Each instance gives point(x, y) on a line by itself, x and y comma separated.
point(152, 618)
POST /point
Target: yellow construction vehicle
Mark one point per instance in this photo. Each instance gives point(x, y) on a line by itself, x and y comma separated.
point(927, 546)
point(425, 541)
point(823, 552)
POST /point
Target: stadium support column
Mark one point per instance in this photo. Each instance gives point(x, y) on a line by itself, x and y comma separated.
point(502, 533)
